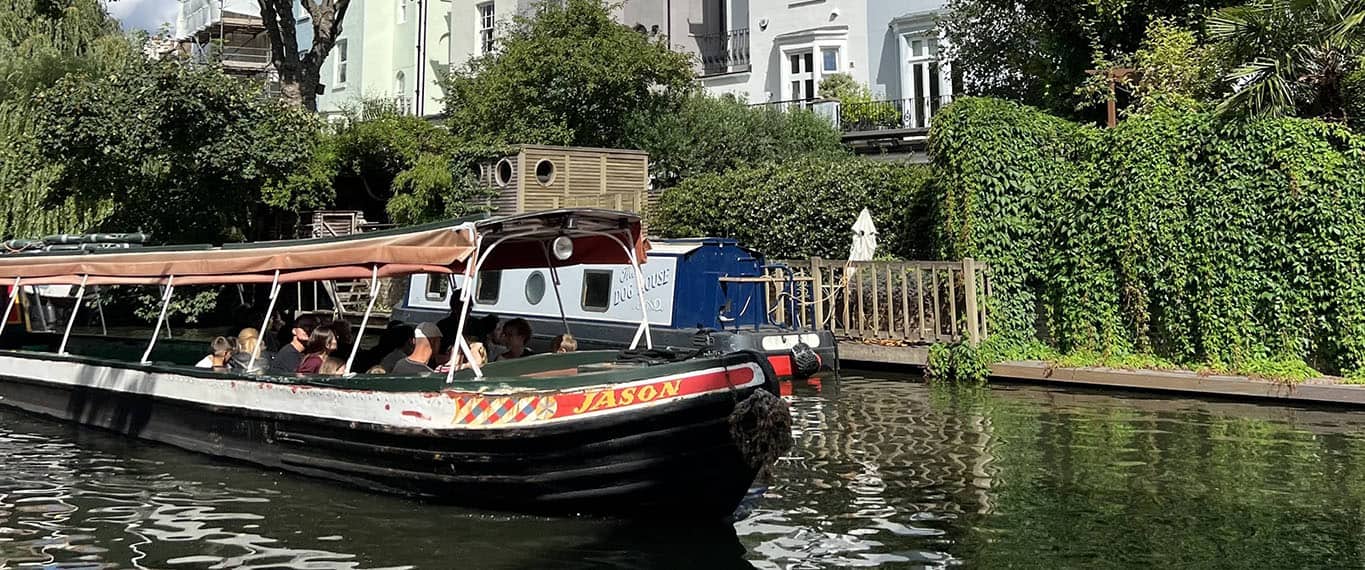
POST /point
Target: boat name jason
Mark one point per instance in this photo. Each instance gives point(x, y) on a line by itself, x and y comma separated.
point(605, 399)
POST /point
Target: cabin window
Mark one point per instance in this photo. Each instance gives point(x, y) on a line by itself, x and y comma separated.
point(502, 173)
point(437, 286)
point(490, 284)
point(545, 172)
point(596, 290)
point(535, 288)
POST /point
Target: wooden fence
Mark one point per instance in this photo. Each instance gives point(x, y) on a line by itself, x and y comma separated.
point(906, 301)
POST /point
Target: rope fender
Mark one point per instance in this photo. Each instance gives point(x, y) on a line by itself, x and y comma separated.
point(761, 427)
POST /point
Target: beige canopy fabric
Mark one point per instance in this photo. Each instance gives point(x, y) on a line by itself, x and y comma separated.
point(600, 236)
point(440, 249)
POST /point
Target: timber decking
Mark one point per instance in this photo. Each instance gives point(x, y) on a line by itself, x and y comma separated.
point(1316, 391)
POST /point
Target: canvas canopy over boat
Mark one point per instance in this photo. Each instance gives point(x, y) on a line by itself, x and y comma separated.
point(648, 432)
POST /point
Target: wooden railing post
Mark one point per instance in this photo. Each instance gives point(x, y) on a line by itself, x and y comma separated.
point(919, 301)
point(818, 293)
point(969, 284)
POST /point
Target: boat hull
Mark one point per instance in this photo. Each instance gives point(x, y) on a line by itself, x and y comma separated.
point(671, 459)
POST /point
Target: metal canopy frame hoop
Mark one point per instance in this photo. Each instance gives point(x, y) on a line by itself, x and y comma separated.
point(482, 255)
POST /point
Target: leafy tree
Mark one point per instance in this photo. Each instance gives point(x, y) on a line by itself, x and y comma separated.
point(1037, 51)
point(710, 134)
point(181, 152)
point(1293, 55)
point(389, 165)
point(300, 72)
point(569, 74)
point(1171, 67)
point(41, 42)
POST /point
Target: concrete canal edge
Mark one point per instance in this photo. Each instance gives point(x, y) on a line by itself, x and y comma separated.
point(1320, 391)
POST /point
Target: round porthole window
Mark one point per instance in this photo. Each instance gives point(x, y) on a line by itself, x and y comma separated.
point(535, 288)
point(502, 173)
point(545, 172)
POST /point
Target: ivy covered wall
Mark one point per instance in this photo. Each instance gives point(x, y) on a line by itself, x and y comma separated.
point(1234, 244)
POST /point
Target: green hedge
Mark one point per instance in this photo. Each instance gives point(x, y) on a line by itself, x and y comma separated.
point(804, 206)
point(1232, 244)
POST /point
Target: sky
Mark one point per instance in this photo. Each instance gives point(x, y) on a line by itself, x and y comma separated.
point(144, 14)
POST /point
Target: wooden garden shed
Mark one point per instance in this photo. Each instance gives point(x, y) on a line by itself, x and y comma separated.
point(542, 177)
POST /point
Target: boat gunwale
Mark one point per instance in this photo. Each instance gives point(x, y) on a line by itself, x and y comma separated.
point(431, 384)
point(582, 423)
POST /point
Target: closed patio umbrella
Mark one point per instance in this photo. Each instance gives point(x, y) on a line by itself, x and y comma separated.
point(864, 238)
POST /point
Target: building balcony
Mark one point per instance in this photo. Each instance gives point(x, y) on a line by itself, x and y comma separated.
point(901, 115)
point(724, 52)
point(235, 59)
point(889, 125)
point(914, 114)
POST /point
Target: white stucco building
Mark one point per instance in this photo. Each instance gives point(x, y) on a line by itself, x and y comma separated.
point(789, 46)
point(773, 51)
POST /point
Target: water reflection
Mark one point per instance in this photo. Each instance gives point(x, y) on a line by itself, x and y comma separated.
point(884, 473)
point(72, 498)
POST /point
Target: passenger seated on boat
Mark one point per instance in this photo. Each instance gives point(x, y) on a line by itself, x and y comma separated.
point(516, 335)
point(332, 366)
point(450, 325)
point(287, 360)
point(480, 357)
point(270, 339)
point(426, 338)
point(564, 343)
point(220, 352)
point(248, 340)
point(394, 343)
point(342, 330)
point(321, 344)
point(480, 354)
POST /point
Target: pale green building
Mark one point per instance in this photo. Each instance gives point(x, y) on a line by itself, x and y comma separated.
point(377, 54)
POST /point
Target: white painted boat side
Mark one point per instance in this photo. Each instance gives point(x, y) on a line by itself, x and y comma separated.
point(530, 293)
point(430, 410)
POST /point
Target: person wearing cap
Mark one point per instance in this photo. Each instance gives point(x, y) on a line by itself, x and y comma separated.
point(426, 339)
point(287, 360)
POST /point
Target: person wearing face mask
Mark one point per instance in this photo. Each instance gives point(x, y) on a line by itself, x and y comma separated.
point(286, 361)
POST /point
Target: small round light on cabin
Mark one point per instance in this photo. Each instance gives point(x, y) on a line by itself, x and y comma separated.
point(563, 248)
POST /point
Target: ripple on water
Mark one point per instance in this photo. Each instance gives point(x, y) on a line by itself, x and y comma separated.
point(882, 474)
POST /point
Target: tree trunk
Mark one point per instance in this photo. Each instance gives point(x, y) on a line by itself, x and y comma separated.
point(300, 72)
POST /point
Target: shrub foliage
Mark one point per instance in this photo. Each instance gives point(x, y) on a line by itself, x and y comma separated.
point(1236, 244)
point(803, 207)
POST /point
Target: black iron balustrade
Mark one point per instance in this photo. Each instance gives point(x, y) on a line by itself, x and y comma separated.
point(724, 52)
point(911, 113)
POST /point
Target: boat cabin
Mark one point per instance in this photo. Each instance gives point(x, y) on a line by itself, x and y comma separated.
point(680, 286)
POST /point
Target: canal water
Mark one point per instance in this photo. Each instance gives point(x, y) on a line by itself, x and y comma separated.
point(885, 473)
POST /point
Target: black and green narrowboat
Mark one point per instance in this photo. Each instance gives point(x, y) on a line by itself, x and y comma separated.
point(644, 432)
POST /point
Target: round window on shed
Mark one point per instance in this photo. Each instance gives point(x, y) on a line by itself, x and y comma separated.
point(535, 288)
point(502, 173)
point(545, 172)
